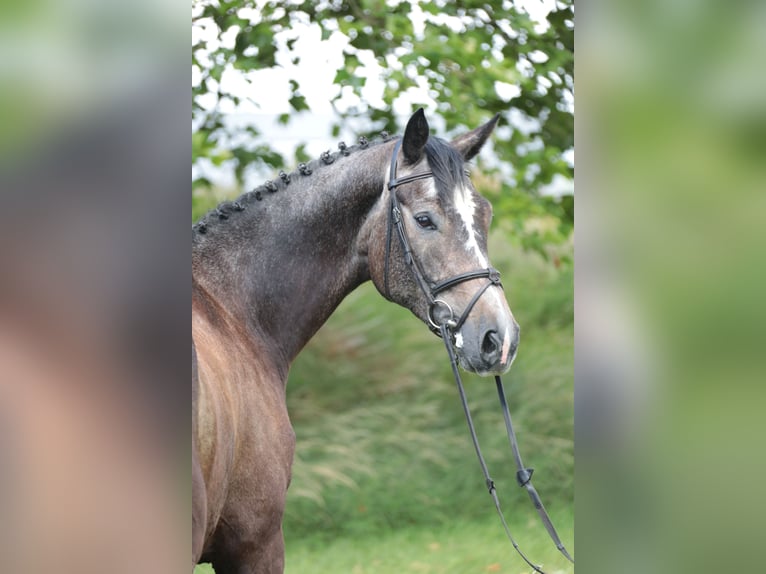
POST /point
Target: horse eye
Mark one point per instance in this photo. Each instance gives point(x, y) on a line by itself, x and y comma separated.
point(424, 221)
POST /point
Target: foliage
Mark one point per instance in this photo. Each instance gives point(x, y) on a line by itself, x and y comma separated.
point(475, 59)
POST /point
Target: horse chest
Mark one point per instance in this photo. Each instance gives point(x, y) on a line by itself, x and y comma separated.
point(245, 441)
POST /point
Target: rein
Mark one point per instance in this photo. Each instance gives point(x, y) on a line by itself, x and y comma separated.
point(446, 329)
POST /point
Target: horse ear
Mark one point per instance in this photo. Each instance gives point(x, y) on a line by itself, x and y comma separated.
point(415, 137)
point(470, 143)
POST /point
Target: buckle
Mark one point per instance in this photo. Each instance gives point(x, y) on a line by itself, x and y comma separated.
point(524, 475)
point(431, 319)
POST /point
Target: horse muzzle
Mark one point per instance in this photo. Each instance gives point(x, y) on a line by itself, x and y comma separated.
point(487, 349)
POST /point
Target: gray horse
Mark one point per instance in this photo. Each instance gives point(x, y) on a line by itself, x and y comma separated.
point(270, 268)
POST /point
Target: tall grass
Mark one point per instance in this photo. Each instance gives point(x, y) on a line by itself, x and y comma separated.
point(382, 441)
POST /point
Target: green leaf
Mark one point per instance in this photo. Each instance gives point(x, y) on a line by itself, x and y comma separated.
point(298, 103)
point(341, 77)
point(300, 153)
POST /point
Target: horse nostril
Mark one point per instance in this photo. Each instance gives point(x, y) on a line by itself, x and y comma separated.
point(490, 346)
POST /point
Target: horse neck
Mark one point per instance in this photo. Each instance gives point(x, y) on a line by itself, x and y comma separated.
point(281, 267)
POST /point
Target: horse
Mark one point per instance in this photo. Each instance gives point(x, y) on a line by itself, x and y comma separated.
point(270, 268)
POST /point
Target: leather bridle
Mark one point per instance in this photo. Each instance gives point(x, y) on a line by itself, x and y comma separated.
point(446, 329)
point(429, 288)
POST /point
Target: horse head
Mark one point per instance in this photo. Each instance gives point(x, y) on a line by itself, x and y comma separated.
point(428, 246)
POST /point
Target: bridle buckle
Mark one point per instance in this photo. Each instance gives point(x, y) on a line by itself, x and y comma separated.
point(396, 214)
point(451, 322)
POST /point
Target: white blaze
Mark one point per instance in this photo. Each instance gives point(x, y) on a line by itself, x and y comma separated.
point(431, 190)
point(466, 208)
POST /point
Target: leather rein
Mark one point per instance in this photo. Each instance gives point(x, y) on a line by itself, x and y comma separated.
point(446, 329)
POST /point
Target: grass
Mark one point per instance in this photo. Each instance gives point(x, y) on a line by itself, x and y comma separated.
point(455, 548)
point(385, 478)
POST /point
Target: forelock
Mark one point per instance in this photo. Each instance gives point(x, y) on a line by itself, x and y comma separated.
point(446, 164)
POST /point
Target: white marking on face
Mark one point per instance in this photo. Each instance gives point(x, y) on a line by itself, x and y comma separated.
point(466, 208)
point(459, 340)
point(431, 190)
point(506, 346)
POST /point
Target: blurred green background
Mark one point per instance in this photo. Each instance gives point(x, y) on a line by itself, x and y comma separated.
point(670, 281)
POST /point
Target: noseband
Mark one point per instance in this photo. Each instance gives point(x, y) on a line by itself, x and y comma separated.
point(446, 330)
point(429, 288)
